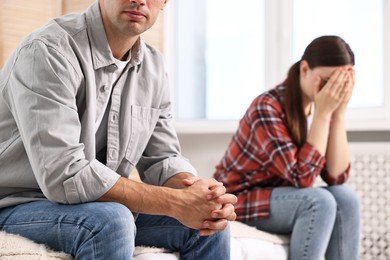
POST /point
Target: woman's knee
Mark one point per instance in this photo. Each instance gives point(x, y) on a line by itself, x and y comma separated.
point(322, 201)
point(347, 199)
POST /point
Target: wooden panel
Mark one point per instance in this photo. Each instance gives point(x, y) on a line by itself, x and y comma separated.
point(75, 6)
point(20, 17)
point(1, 34)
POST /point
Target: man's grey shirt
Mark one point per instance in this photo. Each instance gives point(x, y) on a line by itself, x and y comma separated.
point(54, 88)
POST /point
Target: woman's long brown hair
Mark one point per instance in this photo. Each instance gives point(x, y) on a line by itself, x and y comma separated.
point(322, 51)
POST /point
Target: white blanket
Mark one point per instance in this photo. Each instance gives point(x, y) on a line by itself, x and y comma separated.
point(244, 240)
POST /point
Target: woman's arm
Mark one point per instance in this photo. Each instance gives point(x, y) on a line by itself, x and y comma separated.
point(337, 154)
point(327, 101)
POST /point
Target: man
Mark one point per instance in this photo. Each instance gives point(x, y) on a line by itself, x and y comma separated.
point(84, 101)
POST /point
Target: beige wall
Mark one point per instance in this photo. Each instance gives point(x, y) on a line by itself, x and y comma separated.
point(19, 17)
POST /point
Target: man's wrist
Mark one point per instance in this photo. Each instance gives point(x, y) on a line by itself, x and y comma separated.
point(176, 181)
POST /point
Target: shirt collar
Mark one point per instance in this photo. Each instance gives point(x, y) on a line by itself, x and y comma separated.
point(137, 52)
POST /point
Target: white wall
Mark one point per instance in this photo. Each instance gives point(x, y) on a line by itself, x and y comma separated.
point(204, 150)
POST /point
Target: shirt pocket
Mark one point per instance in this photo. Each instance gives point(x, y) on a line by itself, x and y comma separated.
point(142, 124)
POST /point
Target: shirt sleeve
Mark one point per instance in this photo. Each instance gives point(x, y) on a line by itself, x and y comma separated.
point(340, 179)
point(162, 157)
point(281, 156)
point(41, 94)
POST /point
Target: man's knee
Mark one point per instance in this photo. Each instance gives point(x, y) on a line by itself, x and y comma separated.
point(113, 226)
point(116, 217)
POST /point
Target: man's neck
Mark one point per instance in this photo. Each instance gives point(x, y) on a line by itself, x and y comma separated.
point(120, 48)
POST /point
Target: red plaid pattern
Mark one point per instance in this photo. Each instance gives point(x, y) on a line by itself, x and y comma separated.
point(262, 156)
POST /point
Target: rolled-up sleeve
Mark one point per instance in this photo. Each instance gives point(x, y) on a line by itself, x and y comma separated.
point(41, 94)
point(336, 180)
point(89, 183)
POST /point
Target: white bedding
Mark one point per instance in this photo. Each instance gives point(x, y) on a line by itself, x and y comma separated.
point(247, 243)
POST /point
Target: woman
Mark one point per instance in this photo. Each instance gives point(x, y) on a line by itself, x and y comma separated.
point(288, 137)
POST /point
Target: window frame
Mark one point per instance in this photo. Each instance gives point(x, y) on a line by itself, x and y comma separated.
point(278, 59)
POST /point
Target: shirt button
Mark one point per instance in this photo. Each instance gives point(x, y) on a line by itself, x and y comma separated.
point(112, 68)
point(114, 117)
point(112, 154)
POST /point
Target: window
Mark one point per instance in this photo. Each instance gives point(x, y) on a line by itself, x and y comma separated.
point(361, 24)
point(363, 32)
point(227, 53)
point(219, 52)
point(234, 57)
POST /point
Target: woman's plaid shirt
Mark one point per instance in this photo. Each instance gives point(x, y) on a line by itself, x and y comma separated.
point(262, 156)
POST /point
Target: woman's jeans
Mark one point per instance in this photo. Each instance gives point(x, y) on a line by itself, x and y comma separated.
point(322, 222)
point(107, 230)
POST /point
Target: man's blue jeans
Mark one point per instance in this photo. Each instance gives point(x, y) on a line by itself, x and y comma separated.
point(322, 222)
point(105, 230)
